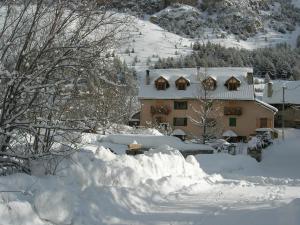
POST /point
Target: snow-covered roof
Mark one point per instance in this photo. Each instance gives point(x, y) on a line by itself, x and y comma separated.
point(178, 132)
point(221, 74)
point(292, 92)
point(229, 133)
point(266, 105)
point(265, 129)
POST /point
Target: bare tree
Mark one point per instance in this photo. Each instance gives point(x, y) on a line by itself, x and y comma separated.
point(207, 111)
point(45, 47)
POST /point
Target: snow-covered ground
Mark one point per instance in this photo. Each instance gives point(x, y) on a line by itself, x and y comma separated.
point(96, 186)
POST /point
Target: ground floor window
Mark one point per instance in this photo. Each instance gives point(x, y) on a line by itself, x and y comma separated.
point(180, 121)
point(263, 122)
point(232, 122)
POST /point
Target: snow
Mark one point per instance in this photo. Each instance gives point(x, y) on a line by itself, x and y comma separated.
point(55, 206)
point(229, 133)
point(270, 38)
point(266, 105)
point(150, 41)
point(222, 74)
point(150, 141)
point(296, 3)
point(178, 132)
point(292, 92)
point(265, 129)
point(96, 186)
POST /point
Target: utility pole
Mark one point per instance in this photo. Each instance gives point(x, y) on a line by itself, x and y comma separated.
point(283, 103)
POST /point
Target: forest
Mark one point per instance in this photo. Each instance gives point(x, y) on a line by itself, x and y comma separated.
point(280, 62)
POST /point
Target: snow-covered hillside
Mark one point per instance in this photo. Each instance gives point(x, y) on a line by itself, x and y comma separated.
point(96, 186)
point(148, 40)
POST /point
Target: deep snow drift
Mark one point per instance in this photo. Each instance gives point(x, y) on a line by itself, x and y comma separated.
point(96, 186)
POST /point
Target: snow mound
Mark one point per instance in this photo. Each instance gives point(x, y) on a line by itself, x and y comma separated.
point(55, 206)
point(106, 169)
point(18, 212)
point(150, 141)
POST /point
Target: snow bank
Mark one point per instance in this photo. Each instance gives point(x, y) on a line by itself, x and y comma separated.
point(107, 169)
point(56, 206)
point(279, 161)
point(282, 158)
point(18, 213)
point(95, 185)
point(150, 141)
point(223, 163)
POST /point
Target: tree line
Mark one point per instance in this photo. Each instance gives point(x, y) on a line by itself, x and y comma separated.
point(280, 62)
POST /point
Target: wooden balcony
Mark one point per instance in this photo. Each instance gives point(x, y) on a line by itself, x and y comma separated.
point(232, 111)
point(163, 110)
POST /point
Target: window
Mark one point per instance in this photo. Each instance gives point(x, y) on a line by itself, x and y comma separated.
point(263, 122)
point(232, 122)
point(232, 84)
point(181, 83)
point(161, 83)
point(181, 86)
point(180, 121)
point(209, 84)
point(180, 105)
point(229, 111)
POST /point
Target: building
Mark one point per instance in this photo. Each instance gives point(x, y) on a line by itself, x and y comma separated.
point(176, 96)
point(273, 95)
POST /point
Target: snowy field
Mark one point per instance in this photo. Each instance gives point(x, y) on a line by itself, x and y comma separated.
point(96, 186)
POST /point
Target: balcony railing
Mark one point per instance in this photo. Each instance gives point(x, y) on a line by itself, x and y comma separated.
point(232, 111)
point(164, 109)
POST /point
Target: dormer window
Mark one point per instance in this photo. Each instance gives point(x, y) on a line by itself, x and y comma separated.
point(182, 83)
point(161, 83)
point(209, 83)
point(232, 84)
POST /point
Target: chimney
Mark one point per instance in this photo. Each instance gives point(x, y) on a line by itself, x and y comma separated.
point(270, 89)
point(147, 77)
point(249, 77)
